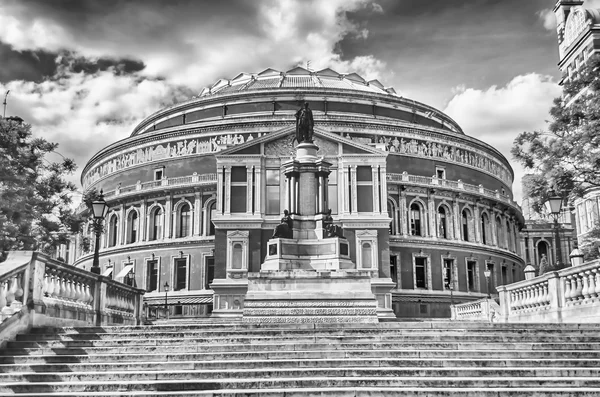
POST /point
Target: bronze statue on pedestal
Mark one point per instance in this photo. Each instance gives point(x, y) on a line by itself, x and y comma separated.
point(284, 229)
point(304, 124)
point(331, 230)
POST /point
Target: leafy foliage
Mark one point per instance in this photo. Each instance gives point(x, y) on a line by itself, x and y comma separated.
point(35, 197)
point(566, 157)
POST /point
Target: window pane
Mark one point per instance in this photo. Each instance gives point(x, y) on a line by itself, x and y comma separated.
point(420, 273)
point(364, 200)
point(238, 174)
point(238, 199)
point(273, 200)
point(180, 274)
point(236, 256)
point(367, 256)
point(363, 173)
point(210, 271)
point(273, 177)
point(332, 198)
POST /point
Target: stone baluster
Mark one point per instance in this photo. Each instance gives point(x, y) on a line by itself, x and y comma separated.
point(585, 286)
point(538, 295)
point(591, 276)
point(3, 293)
point(10, 293)
point(597, 282)
point(568, 289)
point(578, 296)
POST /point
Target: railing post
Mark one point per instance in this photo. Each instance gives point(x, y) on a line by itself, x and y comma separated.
point(38, 275)
point(99, 299)
point(504, 298)
point(556, 292)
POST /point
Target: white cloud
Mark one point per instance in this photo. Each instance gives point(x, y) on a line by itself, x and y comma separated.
point(84, 113)
point(548, 19)
point(201, 41)
point(497, 115)
point(377, 8)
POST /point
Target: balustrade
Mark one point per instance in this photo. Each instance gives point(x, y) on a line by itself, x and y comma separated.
point(571, 294)
point(54, 293)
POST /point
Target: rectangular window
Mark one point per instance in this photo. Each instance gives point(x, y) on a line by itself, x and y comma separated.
point(448, 264)
point(180, 274)
point(364, 189)
point(394, 269)
point(513, 274)
point(209, 271)
point(471, 265)
point(504, 274)
point(440, 172)
point(273, 198)
point(421, 272)
point(332, 192)
point(158, 174)
point(152, 276)
point(239, 189)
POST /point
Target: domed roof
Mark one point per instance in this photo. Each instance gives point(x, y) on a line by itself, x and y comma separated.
point(296, 78)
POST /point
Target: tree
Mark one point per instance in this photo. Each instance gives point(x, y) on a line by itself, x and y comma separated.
point(566, 157)
point(35, 197)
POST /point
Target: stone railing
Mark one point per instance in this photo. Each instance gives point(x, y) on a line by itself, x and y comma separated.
point(480, 310)
point(194, 179)
point(456, 185)
point(37, 291)
point(568, 295)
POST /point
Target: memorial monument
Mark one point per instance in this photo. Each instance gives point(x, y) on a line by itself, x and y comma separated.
point(308, 276)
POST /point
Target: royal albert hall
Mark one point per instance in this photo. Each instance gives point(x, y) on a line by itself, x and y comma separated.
point(197, 189)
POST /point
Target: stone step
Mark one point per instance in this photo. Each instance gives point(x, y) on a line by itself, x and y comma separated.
point(347, 392)
point(462, 363)
point(423, 335)
point(189, 340)
point(440, 326)
point(315, 381)
point(306, 345)
point(557, 374)
point(301, 355)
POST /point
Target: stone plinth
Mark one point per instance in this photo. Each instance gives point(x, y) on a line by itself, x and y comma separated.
point(312, 254)
point(301, 296)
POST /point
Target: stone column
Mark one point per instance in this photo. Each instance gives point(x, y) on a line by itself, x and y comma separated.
point(168, 218)
point(143, 216)
point(344, 191)
point(477, 224)
point(403, 221)
point(532, 253)
point(220, 185)
point(375, 178)
point(227, 190)
point(122, 223)
point(456, 218)
point(353, 195)
point(249, 192)
point(258, 190)
point(384, 191)
point(431, 217)
point(197, 212)
point(306, 195)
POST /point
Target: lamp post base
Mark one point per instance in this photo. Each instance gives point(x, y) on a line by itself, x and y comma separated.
point(95, 269)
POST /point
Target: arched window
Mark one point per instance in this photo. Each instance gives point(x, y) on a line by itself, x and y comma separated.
point(543, 249)
point(132, 227)
point(210, 214)
point(156, 223)
point(392, 214)
point(499, 236)
point(237, 256)
point(366, 255)
point(113, 228)
point(465, 218)
point(508, 235)
point(415, 220)
point(443, 222)
point(184, 220)
point(485, 228)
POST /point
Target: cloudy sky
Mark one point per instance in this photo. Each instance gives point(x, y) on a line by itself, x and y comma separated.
point(84, 72)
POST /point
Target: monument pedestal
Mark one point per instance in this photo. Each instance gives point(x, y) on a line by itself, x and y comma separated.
point(308, 296)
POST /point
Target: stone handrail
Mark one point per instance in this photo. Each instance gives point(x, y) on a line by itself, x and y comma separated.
point(480, 310)
point(37, 291)
point(568, 295)
point(154, 185)
point(459, 185)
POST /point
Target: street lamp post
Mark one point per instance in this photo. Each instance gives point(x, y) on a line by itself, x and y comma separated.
point(554, 205)
point(166, 286)
point(99, 211)
point(487, 273)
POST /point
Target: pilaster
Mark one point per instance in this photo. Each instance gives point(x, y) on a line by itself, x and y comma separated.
point(353, 189)
point(227, 190)
point(249, 190)
point(143, 220)
point(197, 212)
point(168, 217)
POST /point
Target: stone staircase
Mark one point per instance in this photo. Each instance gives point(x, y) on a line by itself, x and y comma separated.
point(436, 358)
